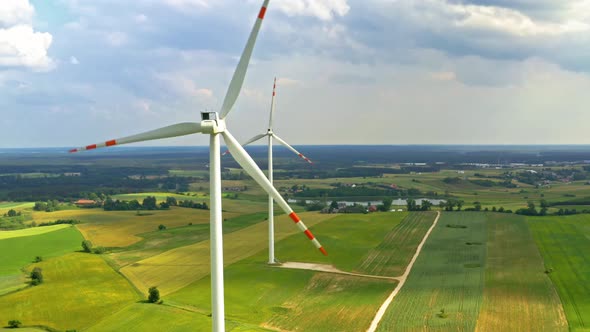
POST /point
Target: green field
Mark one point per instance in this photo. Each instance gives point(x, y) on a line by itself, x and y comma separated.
point(564, 243)
point(392, 256)
point(177, 268)
point(285, 299)
point(518, 295)
point(78, 289)
point(448, 274)
point(140, 317)
point(347, 238)
point(18, 252)
point(31, 231)
point(157, 242)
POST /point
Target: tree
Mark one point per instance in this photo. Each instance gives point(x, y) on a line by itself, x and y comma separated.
point(477, 206)
point(11, 213)
point(149, 203)
point(387, 203)
point(14, 324)
point(411, 204)
point(161, 227)
point(153, 295)
point(36, 276)
point(459, 205)
point(334, 206)
point(87, 246)
point(426, 205)
point(171, 201)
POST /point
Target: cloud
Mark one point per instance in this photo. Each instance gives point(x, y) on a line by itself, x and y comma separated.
point(20, 45)
point(13, 12)
point(323, 9)
point(74, 60)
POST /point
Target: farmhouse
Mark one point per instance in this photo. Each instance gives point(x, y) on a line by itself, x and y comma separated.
point(85, 203)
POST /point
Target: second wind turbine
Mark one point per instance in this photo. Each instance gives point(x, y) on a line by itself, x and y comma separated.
point(270, 134)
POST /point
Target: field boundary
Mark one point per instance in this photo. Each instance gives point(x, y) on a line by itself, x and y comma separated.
point(402, 279)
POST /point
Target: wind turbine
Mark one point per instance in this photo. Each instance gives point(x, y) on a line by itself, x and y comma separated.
point(270, 134)
point(213, 124)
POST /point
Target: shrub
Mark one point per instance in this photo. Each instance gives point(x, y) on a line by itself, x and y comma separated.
point(161, 227)
point(153, 295)
point(99, 250)
point(87, 246)
point(36, 276)
point(14, 324)
point(38, 259)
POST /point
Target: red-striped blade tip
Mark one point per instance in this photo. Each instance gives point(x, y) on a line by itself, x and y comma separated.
point(323, 251)
point(73, 150)
point(262, 12)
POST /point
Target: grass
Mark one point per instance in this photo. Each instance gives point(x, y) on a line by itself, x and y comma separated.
point(392, 256)
point(177, 268)
point(17, 252)
point(85, 287)
point(157, 242)
point(290, 299)
point(347, 238)
point(31, 231)
point(564, 243)
point(142, 317)
point(439, 279)
point(122, 228)
point(517, 295)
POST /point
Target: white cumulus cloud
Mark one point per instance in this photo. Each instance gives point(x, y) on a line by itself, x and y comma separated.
point(13, 12)
point(323, 9)
point(20, 45)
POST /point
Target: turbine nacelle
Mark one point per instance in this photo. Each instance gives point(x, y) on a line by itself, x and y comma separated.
point(211, 123)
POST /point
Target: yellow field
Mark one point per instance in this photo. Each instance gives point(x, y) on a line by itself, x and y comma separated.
point(31, 231)
point(78, 289)
point(120, 228)
point(177, 268)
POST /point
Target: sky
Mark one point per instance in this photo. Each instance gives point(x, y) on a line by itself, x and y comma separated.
point(76, 72)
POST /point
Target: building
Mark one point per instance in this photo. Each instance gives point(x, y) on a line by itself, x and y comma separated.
point(85, 203)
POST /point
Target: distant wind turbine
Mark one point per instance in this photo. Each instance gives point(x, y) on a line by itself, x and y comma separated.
point(213, 124)
point(270, 133)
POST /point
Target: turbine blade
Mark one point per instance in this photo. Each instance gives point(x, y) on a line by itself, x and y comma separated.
point(272, 103)
point(235, 86)
point(292, 149)
point(251, 140)
point(242, 157)
point(180, 129)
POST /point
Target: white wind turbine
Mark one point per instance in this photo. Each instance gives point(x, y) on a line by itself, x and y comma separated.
point(270, 133)
point(214, 125)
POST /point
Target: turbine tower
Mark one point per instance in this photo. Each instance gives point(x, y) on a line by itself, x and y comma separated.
point(213, 124)
point(270, 134)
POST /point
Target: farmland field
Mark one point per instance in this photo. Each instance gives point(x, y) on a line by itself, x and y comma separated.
point(347, 238)
point(447, 275)
point(392, 255)
point(121, 228)
point(18, 252)
point(31, 231)
point(290, 299)
point(85, 287)
point(518, 295)
point(564, 243)
point(157, 242)
point(179, 267)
